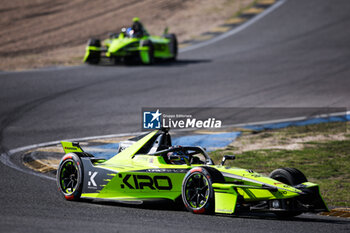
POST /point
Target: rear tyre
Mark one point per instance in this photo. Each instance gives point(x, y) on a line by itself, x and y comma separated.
point(197, 191)
point(94, 42)
point(69, 177)
point(292, 177)
point(94, 57)
point(173, 46)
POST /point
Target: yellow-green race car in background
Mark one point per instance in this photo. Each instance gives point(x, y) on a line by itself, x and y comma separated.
point(133, 45)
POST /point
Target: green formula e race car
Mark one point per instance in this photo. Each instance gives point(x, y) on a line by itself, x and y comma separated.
point(132, 45)
point(149, 168)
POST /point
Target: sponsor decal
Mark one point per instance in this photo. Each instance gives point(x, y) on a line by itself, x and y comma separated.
point(166, 170)
point(144, 181)
point(91, 182)
point(70, 148)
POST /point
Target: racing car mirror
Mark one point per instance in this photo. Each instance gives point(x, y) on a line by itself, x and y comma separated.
point(166, 30)
point(227, 157)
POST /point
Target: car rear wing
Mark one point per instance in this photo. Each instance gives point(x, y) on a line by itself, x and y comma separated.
point(70, 147)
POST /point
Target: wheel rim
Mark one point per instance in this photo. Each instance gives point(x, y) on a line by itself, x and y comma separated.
point(69, 177)
point(197, 190)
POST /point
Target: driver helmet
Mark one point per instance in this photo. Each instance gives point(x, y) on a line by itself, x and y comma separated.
point(137, 27)
point(129, 31)
point(177, 157)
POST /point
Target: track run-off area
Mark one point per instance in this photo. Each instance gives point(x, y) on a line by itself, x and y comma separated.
point(296, 55)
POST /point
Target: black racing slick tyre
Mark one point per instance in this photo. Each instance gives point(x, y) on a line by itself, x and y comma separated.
point(94, 42)
point(173, 46)
point(70, 177)
point(292, 177)
point(94, 56)
point(197, 191)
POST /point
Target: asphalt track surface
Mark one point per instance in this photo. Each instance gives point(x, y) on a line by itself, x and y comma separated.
point(296, 56)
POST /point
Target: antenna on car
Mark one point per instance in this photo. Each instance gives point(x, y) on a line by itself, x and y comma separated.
point(165, 129)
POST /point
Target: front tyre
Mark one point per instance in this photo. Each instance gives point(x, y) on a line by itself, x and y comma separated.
point(292, 177)
point(173, 45)
point(69, 177)
point(197, 191)
point(93, 53)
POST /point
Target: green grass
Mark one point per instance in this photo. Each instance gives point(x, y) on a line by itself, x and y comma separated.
point(325, 163)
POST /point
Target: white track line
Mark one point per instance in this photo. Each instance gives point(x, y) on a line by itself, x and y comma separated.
point(293, 119)
point(5, 157)
point(237, 29)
